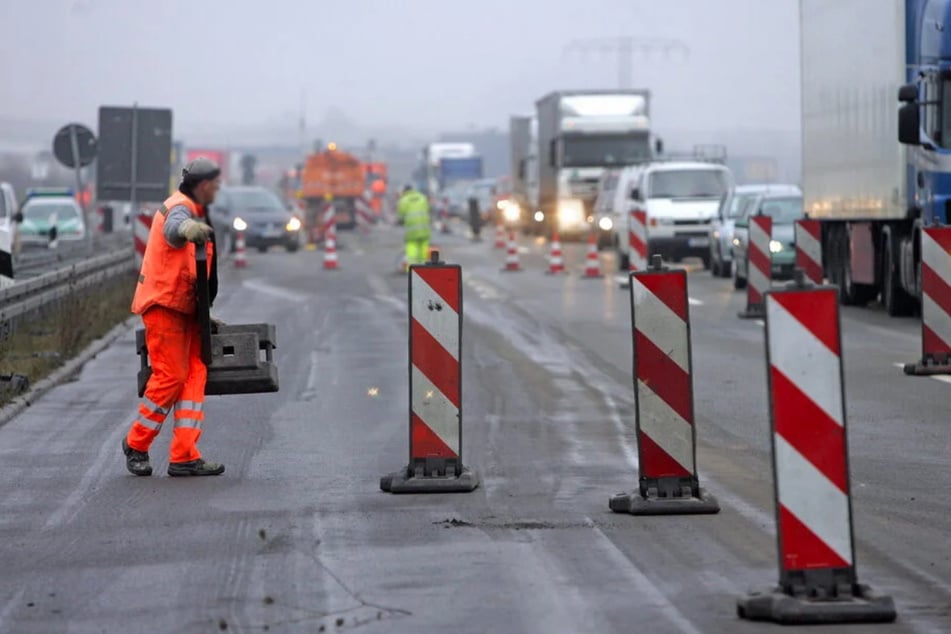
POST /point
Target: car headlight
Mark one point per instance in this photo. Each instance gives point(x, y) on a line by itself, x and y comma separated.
point(570, 212)
point(736, 242)
point(539, 216)
point(775, 246)
point(239, 224)
point(293, 224)
point(511, 212)
point(606, 224)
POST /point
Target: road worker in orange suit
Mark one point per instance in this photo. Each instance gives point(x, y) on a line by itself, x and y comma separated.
point(166, 298)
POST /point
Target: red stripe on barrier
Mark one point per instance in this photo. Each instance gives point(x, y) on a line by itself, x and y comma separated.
point(444, 281)
point(663, 376)
point(670, 289)
point(638, 245)
point(817, 311)
point(812, 270)
point(657, 463)
point(801, 548)
point(821, 441)
point(938, 290)
point(435, 363)
point(812, 227)
point(942, 237)
point(425, 443)
point(760, 260)
point(931, 343)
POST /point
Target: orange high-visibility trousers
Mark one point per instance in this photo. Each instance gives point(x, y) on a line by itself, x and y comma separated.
point(177, 384)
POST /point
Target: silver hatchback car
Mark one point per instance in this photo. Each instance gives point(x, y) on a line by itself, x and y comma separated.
point(732, 206)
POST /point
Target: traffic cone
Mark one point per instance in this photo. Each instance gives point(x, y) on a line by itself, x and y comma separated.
point(499, 237)
point(240, 257)
point(555, 262)
point(592, 267)
point(511, 257)
point(330, 248)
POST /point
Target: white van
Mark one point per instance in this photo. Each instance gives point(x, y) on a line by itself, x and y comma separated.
point(681, 199)
point(9, 217)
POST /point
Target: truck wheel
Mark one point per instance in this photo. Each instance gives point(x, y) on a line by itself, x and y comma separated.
point(897, 302)
point(623, 261)
point(739, 283)
point(706, 261)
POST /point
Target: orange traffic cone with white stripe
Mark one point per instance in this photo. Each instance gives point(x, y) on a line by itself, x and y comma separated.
point(592, 266)
point(330, 248)
point(556, 263)
point(499, 237)
point(512, 263)
point(240, 257)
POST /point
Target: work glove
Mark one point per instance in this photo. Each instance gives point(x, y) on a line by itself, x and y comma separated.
point(195, 231)
point(216, 324)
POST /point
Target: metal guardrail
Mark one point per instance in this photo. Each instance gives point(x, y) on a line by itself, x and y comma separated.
point(34, 294)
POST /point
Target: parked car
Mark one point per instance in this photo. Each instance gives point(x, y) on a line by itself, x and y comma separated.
point(260, 214)
point(44, 209)
point(732, 206)
point(785, 210)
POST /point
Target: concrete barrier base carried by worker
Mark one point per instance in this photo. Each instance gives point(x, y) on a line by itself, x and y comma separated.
point(857, 604)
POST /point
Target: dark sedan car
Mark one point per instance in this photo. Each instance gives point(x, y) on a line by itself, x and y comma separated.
point(260, 214)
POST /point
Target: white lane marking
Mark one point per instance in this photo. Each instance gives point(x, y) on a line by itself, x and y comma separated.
point(694, 302)
point(310, 390)
point(643, 587)
point(760, 322)
point(259, 286)
point(395, 302)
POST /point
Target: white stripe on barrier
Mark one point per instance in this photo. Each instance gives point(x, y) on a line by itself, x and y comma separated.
point(443, 324)
point(938, 321)
point(934, 255)
point(661, 325)
point(435, 410)
point(758, 280)
point(759, 237)
point(665, 426)
point(805, 360)
point(808, 244)
point(813, 499)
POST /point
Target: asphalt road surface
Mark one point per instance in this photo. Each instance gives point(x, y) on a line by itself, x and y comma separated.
point(297, 537)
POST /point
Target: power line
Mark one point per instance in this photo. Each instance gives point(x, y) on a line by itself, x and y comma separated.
point(625, 47)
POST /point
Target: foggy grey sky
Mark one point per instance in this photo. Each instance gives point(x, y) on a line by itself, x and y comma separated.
point(424, 65)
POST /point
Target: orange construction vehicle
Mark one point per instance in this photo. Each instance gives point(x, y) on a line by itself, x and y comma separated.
point(332, 175)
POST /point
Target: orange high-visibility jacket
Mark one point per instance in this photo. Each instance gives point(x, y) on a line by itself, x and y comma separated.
point(168, 274)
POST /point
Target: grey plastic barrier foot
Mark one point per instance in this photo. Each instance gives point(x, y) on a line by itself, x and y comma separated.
point(926, 369)
point(753, 312)
point(403, 481)
point(636, 504)
point(863, 606)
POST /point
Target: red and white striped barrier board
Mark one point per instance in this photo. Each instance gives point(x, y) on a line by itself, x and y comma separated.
point(808, 235)
point(817, 580)
point(140, 235)
point(365, 217)
point(666, 434)
point(435, 384)
point(637, 239)
point(512, 263)
point(759, 269)
point(935, 303)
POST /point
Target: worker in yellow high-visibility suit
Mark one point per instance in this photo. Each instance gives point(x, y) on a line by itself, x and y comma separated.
point(413, 213)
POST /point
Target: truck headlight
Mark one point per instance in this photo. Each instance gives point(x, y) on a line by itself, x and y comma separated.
point(775, 246)
point(539, 216)
point(293, 224)
point(736, 242)
point(512, 212)
point(606, 224)
point(239, 224)
point(570, 213)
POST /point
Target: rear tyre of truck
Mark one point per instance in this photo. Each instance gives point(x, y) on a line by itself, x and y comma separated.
point(739, 283)
point(840, 270)
point(623, 261)
point(897, 302)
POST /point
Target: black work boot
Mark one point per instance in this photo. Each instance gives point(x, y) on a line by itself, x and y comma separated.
point(137, 462)
point(195, 468)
